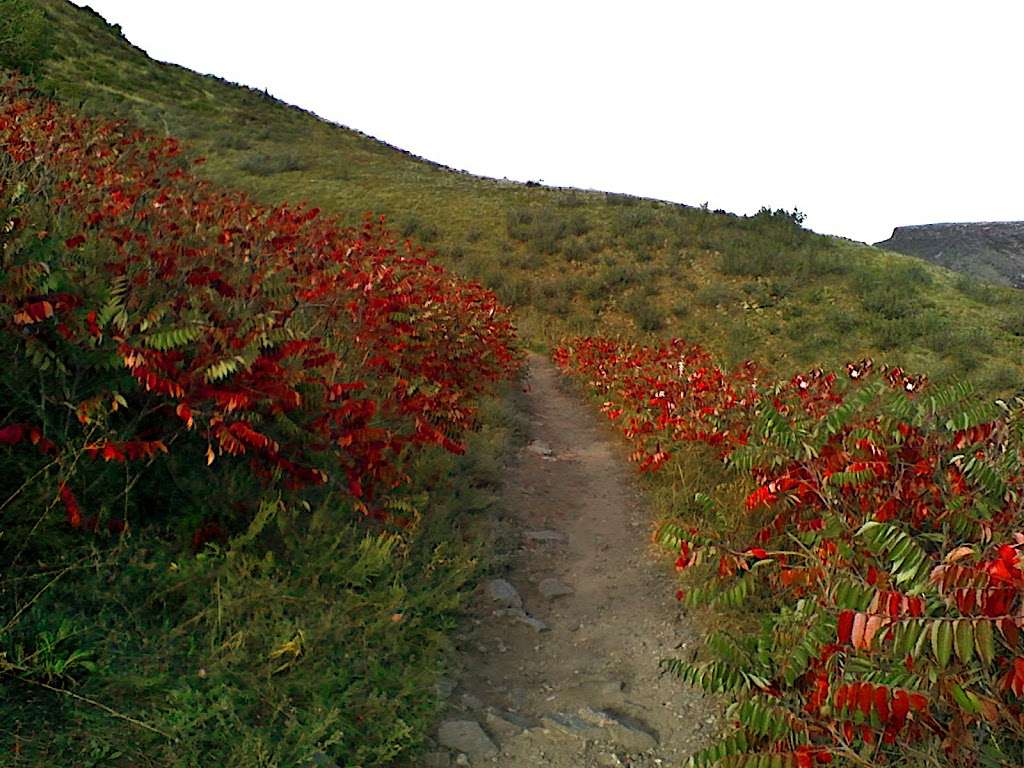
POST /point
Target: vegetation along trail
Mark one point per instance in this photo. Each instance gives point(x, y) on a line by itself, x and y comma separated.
point(559, 665)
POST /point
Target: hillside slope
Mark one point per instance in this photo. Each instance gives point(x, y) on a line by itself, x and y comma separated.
point(568, 260)
point(988, 250)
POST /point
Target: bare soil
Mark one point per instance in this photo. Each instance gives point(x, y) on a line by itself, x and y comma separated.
point(585, 691)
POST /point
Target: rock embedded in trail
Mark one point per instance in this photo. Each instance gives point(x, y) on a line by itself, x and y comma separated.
point(618, 729)
point(466, 736)
point(505, 725)
point(602, 726)
point(542, 449)
point(503, 593)
point(572, 725)
point(524, 618)
point(553, 588)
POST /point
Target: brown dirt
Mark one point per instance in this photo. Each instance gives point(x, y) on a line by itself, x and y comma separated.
point(605, 640)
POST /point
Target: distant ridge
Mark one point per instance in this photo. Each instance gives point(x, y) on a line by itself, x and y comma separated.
point(990, 250)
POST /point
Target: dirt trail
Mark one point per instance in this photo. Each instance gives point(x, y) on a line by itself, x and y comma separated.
point(560, 680)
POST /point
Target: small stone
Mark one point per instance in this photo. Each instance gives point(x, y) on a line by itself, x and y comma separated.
point(503, 593)
point(553, 588)
point(542, 449)
point(469, 701)
point(608, 760)
point(462, 759)
point(547, 537)
point(466, 736)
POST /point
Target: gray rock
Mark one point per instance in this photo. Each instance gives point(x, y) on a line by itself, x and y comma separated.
point(466, 736)
point(437, 760)
point(505, 725)
point(521, 616)
point(609, 760)
point(553, 588)
point(573, 726)
point(469, 701)
point(503, 593)
point(547, 537)
point(542, 449)
point(625, 732)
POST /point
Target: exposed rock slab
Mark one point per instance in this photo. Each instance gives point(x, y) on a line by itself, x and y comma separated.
point(466, 736)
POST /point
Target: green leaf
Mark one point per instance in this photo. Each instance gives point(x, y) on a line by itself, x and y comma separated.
point(963, 640)
point(984, 640)
point(942, 642)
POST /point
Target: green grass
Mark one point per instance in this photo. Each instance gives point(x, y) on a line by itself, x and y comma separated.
point(305, 635)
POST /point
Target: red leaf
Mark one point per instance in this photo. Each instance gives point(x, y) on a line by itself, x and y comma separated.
point(12, 434)
point(74, 512)
point(882, 702)
point(900, 706)
point(918, 702)
point(845, 629)
point(864, 698)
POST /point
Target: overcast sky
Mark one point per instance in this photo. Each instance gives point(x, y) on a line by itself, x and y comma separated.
point(864, 115)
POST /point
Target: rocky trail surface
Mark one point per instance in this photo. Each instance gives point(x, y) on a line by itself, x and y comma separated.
point(558, 660)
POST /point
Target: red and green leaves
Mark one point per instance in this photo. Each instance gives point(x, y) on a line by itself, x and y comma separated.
point(268, 337)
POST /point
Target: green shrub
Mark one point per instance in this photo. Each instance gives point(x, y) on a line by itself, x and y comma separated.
point(716, 294)
point(574, 250)
point(26, 36)
point(270, 164)
point(543, 230)
point(643, 311)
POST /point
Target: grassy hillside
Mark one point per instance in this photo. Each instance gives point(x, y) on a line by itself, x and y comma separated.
point(569, 260)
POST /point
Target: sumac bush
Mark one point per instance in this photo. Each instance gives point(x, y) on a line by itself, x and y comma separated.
point(881, 541)
point(169, 346)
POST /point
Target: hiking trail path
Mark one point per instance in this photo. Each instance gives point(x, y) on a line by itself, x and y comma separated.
point(557, 661)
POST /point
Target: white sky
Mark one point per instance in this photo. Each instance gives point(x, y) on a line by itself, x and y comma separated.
point(865, 115)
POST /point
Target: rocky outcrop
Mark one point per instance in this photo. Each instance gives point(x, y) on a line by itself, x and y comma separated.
point(992, 250)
